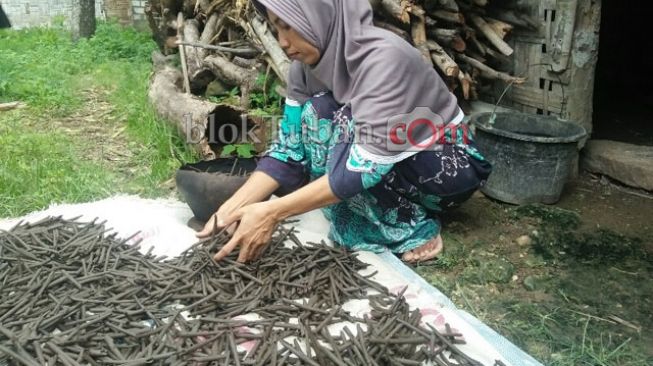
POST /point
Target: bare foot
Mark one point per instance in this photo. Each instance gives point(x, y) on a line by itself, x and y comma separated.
point(426, 252)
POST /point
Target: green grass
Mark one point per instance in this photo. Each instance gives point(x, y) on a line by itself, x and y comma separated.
point(584, 281)
point(545, 333)
point(42, 162)
point(39, 168)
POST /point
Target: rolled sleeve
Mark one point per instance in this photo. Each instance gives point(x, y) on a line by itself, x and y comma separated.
point(350, 174)
point(290, 175)
point(285, 160)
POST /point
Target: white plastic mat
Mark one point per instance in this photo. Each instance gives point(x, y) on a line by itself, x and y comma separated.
point(161, 225)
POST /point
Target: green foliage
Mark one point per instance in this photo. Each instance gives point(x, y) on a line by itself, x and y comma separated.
point(230, 97)
point(557, 239)
point(115, 42)
point(239, 150)
point(543, 332)
point(58, 21)
point(483, 268)
point(262, 103)
point(41, 66)
point(455, 254)
point(556, 300)
point(52, 75)
point(268, 102)
point(601, 247)
point(38, 168)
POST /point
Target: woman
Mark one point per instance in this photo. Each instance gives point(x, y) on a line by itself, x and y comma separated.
point(342, 145)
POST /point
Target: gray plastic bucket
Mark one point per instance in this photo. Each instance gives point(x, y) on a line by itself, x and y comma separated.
point(531, 155)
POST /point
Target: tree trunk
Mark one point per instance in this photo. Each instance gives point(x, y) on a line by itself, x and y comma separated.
point(4, 21)
point(83, 19)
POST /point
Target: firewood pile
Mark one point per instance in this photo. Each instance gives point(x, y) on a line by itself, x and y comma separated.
point(466, 41)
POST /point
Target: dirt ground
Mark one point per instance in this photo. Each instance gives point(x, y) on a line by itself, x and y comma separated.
point(570, 283)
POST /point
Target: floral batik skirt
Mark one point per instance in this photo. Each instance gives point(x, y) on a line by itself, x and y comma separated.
point(384, 206)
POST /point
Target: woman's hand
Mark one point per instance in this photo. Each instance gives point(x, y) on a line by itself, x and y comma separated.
point(257, 224)
point(257, 188)
point(259, 220)
point(216, 222)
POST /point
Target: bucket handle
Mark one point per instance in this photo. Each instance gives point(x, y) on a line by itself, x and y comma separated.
point(493, 117)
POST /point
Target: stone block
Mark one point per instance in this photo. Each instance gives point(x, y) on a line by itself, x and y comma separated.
point(627, 163)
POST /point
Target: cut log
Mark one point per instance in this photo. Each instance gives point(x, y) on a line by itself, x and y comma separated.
point(258, 29)
point(476, 56)
point(462, 39)
point(200, 122)
point(477, 45)
point(442, 60)
point(234, 75)
point(466, 82)
point(448, 16)
point(458, 45)
point(490, 73)
point(247, 63)
point(188, 113)
point(182, 52)
point(448, 38)
point(500, 28)
point(246, 52)
point(418, 33)
point(192, 35)
point(491, 35)
point(231, 73)
point(431, 23)
point(201, 6)
point(499, 61)
point(210, 30)
point(449, 5)
point(395, 9)
point(443, 33)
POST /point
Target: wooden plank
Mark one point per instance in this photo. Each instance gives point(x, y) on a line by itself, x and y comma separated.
point(537, 99)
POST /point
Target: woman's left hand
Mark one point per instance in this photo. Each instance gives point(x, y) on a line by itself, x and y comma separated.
point(257, 223)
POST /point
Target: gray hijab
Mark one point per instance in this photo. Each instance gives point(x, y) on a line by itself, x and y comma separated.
point(378, 74)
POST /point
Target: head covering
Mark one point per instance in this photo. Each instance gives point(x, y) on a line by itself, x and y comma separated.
point(378, 74)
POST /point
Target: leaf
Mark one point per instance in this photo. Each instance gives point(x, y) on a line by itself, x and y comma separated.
point(228, 150)
point(245, 150)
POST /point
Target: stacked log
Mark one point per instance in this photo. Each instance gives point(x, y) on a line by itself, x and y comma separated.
point(464, 40)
